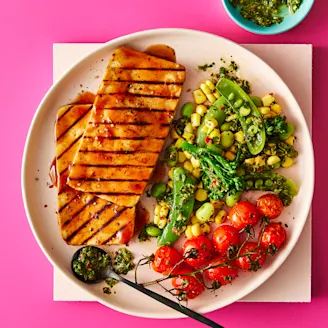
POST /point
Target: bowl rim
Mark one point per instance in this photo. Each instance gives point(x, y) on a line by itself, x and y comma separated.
point(267, 30)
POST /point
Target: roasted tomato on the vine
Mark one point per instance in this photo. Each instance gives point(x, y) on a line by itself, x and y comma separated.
point(243, 214)
point(165, 259)
point(273, 237)
point(252, 257)
point(187, 287)
point(197, 250)
point(226, 239)
point(224, 274)
point(270, 205)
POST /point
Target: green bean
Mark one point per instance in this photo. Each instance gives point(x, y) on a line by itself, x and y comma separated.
point(204, 213)
point(231, 200)
point(227, 139)
point(257, 101)
point(187, 109)
point(158, 189)
point(225, 126)
point(153, 231)
point(214, 148)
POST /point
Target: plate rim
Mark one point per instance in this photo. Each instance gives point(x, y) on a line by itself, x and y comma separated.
point(116, 42)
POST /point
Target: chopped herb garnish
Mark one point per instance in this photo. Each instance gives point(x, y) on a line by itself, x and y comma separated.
point(205, 67)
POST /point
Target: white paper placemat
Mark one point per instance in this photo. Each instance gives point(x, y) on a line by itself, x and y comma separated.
point(292, 282)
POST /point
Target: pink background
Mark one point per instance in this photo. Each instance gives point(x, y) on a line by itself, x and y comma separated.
point(28, 30)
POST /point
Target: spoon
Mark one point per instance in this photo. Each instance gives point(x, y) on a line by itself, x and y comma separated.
point(108, 272)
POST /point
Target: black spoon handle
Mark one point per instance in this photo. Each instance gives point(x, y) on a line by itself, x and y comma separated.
point(167, 302)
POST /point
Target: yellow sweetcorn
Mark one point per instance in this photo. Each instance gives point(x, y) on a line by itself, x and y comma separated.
point(216, 94)
point(157, 209)
point(200, 185)
point(287, 163)
point(195, 162)
point(204, 87)
point(196, 230)
point(170, 184)
point(195, 120)
point(174, 134)
point(199, 96)
point(188, 128)
point(156, 219)
point(188, 155)
point(206, 228)
point(179, 142)
point(189, 136)
point(264, 110)
point(170, 174)
point(211, 122)
point(221, 217)
point(240, 136)
point(233, 149)
point(162, 222)
point(211, 98)
point(218, 204)
point(267, 100)
point(210, 85)
point(188, 166)
point(164, 211)
point(230, 156)
point(201, 195)
point(181, 157)
point(250, 161)
point(276, 108)
point(196, 173)
point(194, 220)
point(272, 160)
point(215, 134)
point(290, 140)
point(201, 110)
point(188, 232)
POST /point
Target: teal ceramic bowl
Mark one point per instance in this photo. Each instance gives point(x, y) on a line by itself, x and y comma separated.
point(289, 22)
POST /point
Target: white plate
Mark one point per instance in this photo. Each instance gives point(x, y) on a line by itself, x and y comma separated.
point(193, 48)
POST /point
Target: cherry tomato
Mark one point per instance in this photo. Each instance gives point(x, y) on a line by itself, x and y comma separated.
point(165, 259)
point(251, 262)
point(226, 239)
point(273, 237)
point(200, 250)
point(270, 205)
point(243, 214)
point(223, 274)
point(187, 286)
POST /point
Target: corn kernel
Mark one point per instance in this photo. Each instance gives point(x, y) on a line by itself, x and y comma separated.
point(199, 96)
point(266, 116)
point(210, 84)
point(271, 144)
point(188, 155)
point(157, 209)
point(290, 140)
point(188, 166)
point(201, 195)
point(264, 110)
point(259, 161)
point(196, 230)
point(250, 161)
point(164, 211)
point(218, 204)
point(211, 122)
point(206, 228)
point(240, 136)
point(196, 173)
point(189, 128)
point(174, 134)
point(205, 89)
point(201, 110)
point(267, 100)
point(230, 156)
point(189, 136)
point(211, 98)
point(194, 220)
point(170, 184)
point(188, 232)
point(181, 157)
point(233, 149)
point(179, 142)
point(200, 185)
point(273, 114)
point(231, 118)
point(171, 170)
point(274, 159)
point(162, 223)
point(157, 218)
point(215, 134)
point(216, 94)
point(287, 163)
point(276, 108)
point(195, 162)
point(221, 217)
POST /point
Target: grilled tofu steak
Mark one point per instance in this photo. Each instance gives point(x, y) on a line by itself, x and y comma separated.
point(85, 219)
point(129, 123)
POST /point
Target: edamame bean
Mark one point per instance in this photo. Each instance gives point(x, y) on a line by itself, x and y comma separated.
point(252, 130)
point(225, 126)
point(244, 111)
point(153, 231)
point(158, 189)
point(249, 184)
point(275, 166)
point(238, 103)
point(257, 101)
point(204, 213)
point(231, 96)
point(227, 139)
point(258, 183)
point(231, 200)
point(268, 183)
point(187, 109)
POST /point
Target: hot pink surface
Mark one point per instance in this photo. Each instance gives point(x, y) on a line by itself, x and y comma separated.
point(28, 30)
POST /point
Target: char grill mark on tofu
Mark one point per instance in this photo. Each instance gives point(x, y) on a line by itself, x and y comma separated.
point(128, 125)
point(84, 218)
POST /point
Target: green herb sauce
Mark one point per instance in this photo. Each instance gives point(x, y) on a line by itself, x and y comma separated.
point(265, 12)
point(123, 261)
